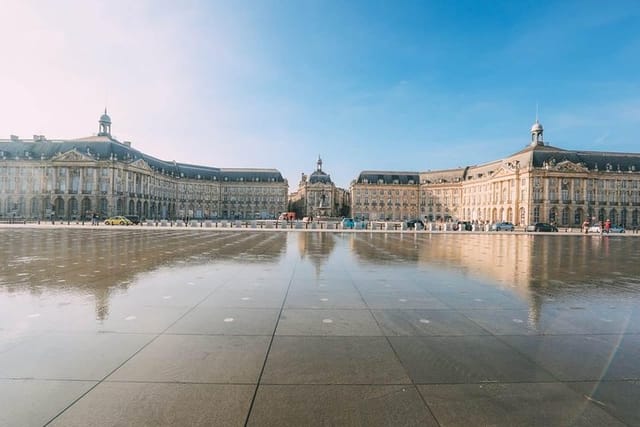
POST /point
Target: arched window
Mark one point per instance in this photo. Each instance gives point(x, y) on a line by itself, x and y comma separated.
point(565, 216)
point(577, 217)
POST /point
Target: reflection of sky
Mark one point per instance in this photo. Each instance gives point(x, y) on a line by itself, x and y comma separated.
point(105, 270)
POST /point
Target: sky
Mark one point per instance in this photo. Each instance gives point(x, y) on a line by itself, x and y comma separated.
point(367, 85)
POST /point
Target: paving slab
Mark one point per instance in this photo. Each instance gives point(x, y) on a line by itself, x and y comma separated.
point(464, 360)
point(149, 404)
point(197, 358)
point(583, 357)
point(426, 323)
point(327, 322)
point(332, 360)
point(204, 320)
point(523, 404)
point(345, 405)
point(29, 403)
point(70, 356)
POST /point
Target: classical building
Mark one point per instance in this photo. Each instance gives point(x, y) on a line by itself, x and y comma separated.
point(539, 183)
point(379, 195)
point(69, 179)
point(318, 196)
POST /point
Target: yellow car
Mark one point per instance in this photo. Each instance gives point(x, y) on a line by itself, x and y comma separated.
point(117, 220)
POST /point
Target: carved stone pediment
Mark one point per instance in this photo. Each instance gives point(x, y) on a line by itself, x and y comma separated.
point(569, 166)
point(72, 156)
point(502, 171)
point(141, 164)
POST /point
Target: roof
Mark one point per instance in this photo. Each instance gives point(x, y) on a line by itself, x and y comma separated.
point(319, 177)
point(388, 177)
point(105, 147)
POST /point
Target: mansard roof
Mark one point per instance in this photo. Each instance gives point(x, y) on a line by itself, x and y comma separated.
point(443, 176)
point(388, 177)
point(105, 147)
point(547, 156)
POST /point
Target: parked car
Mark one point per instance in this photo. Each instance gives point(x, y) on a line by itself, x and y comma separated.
point(594, 229)
point(502, 226)
point(135, 219)
point(347, 223)
point(616, 229)
point(542, 226)
point(117, 220)
point(466, 225)
point(416, 224)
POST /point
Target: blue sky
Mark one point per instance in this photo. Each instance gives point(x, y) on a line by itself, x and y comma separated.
point(365, 84)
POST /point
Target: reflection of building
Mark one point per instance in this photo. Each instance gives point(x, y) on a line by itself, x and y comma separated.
point(318, 196)
point(316, 247)
point(101, 262)
point(540, 183)
point(73, 178)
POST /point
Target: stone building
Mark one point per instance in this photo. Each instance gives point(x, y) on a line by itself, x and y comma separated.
point(317, 196)
point(379, 195)
point(540, 183)
point(72, 179)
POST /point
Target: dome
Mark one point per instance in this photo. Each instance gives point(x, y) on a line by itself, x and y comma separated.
point(319, 177)
point(537, 127)
point(105, 117)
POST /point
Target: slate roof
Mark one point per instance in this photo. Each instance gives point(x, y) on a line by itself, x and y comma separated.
point(106, 148)
point(388, 177)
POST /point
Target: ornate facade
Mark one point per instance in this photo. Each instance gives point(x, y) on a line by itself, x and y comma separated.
point(318, 196)
point(72, 179)
point(540, 183)
point(378, 195)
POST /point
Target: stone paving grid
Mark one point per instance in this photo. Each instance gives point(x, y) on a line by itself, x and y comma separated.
point(303, 329)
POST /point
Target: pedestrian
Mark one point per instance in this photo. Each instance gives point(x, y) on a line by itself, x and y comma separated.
point(607, 225)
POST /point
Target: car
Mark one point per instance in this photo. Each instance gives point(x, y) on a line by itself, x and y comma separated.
point(135, 219)
point(616, 229)
point(594, 229)
point(415, 224)
point(502, 226)
point(347, 223)
point(117, 220)
point(542, 226)
point(466, 226)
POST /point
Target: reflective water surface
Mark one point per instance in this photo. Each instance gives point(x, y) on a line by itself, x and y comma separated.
point(149, 327)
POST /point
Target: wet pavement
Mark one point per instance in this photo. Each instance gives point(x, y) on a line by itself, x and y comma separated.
point(102, 326)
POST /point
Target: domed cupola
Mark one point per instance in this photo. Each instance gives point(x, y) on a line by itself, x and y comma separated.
point(319, 176)
point(536, 134)
point(105, 124)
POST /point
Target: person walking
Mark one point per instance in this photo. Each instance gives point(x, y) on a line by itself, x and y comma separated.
point(607, 225)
